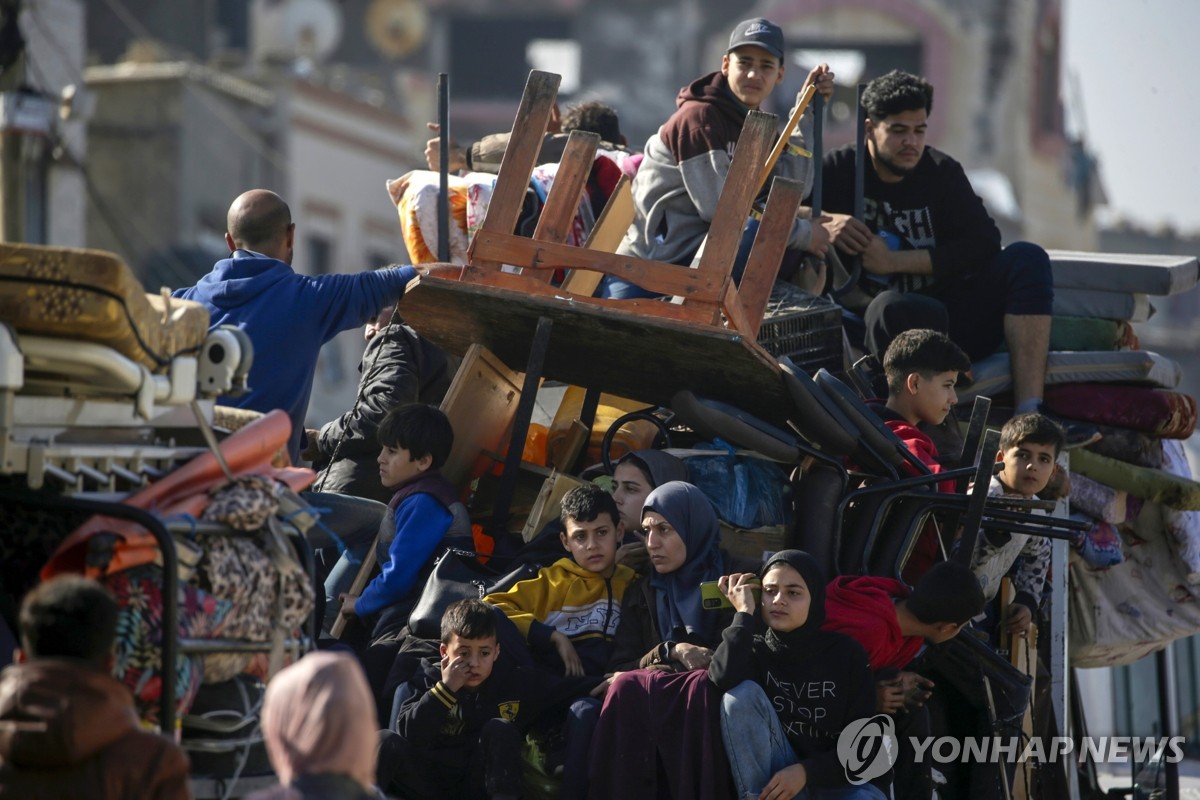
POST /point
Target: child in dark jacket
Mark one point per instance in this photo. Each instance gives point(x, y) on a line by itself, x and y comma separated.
point(459, 732)
point(791, 687)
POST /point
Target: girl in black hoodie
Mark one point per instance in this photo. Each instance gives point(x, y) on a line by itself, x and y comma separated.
point(790, 687)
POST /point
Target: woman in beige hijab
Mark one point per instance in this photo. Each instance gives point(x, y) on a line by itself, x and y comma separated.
point(319, 724)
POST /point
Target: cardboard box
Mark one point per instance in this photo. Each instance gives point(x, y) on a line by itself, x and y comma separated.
point(757, 544)
point(546, 506)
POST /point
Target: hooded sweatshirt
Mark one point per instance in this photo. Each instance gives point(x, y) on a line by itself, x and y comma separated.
point(288, 317)
point(817, 681)
point(677, 185)
point(564, 596)
point(68, 730)
point(864, 608)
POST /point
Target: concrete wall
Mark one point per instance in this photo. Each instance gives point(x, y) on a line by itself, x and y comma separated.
point(171, 145)
point(340, 154)
point(54, 31)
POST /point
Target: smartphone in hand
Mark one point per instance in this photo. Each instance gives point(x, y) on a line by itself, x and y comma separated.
point(713, 599)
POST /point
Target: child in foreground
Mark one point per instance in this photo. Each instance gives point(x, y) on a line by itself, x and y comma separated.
point(459, 733)
point(573, 606)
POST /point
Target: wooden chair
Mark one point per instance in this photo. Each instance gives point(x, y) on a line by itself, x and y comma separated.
point(703, 338)
point(709, 296)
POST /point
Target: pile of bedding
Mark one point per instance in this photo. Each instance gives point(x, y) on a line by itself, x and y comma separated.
point(1139, 587)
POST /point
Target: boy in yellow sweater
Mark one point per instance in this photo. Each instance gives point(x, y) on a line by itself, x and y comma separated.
point(573, 606)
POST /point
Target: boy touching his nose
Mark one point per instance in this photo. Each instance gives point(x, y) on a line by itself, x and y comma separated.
point(465, 714)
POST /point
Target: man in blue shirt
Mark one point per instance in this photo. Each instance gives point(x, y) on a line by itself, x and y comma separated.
point(287, 316)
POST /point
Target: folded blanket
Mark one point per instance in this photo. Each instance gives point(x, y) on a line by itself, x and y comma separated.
point(1098, 501)
point(1166, 414)
point(993, 375)
point(1154, 485)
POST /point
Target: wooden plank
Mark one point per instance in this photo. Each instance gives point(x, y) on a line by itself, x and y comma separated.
point(1022, 654)
point(361, 579)
point(562, 205)
point(610, 229)
point(731, 304)
point(533, 115)
point(767, 251)
point(741, 187)
point(696, 314)
point(782, 142)
point(481, 404)
point(545, 507)
point(625, 353)
point(668, 279)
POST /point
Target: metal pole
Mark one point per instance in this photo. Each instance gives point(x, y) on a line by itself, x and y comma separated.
point(1164, 667)
point(818, 151)
point(860, 158)
point(443, 87)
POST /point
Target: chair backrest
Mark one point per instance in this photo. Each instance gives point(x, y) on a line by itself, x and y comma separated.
point(816, 498)
point(713, 418)
point(814, 416)
point(876, 436)
point(708, 294)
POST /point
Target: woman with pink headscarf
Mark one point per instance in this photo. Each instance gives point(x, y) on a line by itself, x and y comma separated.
point(319, 724)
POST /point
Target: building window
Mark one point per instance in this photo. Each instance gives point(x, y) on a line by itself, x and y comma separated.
point(319, 255)
point(511, 43)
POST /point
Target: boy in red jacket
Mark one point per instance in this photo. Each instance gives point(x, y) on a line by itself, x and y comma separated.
point(893, 624)
point(922, 366)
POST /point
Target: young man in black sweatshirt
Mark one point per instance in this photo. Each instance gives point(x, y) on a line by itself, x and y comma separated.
point(931, 253)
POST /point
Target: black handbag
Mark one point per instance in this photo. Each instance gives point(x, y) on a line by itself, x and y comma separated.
point(458, 574)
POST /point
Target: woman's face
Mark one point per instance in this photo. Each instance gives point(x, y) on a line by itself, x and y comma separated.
point(631, 487)
point(785, 599)
point(667, 549)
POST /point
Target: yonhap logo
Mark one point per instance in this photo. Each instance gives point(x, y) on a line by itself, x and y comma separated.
point(867, 748)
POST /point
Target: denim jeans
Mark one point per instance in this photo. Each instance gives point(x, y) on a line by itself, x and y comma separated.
point(614, 288)
point(758, 747)
point(349, 525)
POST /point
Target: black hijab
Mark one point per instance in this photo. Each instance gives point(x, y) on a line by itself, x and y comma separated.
point(801, 639)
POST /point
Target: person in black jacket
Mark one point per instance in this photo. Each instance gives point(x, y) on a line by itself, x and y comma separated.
point(459, 732)
point(399, 367)
point(931, 254)
point(791, 688)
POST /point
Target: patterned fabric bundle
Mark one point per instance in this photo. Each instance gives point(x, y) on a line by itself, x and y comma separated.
point(139, 636)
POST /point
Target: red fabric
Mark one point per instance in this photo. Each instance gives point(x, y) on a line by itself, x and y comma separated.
point(926, 552)
point(1163, 413)
point(920, 446)
point(864, 608)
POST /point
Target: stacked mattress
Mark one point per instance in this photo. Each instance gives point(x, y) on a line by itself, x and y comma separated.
point(1135, 486)
point(91, 295)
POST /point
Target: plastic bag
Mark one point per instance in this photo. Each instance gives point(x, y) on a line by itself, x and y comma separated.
point(748, 492)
